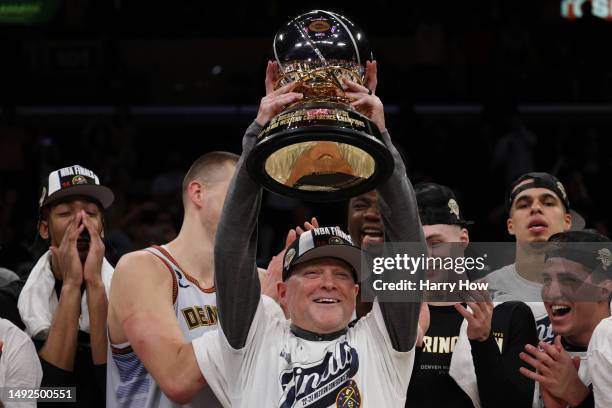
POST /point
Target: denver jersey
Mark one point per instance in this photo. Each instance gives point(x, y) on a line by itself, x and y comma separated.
point(129, 384)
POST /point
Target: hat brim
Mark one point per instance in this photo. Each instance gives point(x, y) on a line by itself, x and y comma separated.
point(102, 194)
point(347, 253)
point(578, 221)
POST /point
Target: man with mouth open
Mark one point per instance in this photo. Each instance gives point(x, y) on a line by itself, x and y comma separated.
point(576, 292)
point(64, 301)
point(314, 359)
point(538, 207)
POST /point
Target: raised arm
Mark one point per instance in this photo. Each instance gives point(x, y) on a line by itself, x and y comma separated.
point(400, 214)
point(402, 224)
point(236, 278)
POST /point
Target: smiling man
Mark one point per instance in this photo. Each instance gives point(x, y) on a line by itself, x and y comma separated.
point(576, 293)
point(538, 207)
point(365, 224)
point(314, 359)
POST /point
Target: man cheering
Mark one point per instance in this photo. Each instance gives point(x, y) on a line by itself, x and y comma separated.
point(315, 359)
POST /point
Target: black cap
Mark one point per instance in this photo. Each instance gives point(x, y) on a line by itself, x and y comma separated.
point(539, 180)
point(74, 181)
point(591, 249)
point(438, 205)
point(324, 242)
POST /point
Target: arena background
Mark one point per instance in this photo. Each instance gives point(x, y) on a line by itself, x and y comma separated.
point(476, 93)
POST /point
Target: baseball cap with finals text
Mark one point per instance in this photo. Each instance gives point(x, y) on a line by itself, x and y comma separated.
point(74, 181)
point(324, 242)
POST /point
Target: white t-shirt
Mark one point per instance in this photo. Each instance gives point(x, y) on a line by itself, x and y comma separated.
point(19, 363)
point(505, 284)
point(600, 363)
point(275, 368)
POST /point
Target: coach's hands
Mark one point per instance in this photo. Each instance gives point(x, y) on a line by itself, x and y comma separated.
point(275, 100)
point(364, 100)
point(66, 256)
point(479, 319)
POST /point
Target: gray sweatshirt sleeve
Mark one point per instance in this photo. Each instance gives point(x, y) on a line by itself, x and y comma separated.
point(236, 279)
point(400, 215)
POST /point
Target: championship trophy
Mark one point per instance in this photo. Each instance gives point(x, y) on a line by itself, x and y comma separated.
point(320, 148)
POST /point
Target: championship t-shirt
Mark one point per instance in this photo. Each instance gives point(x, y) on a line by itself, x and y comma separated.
point(276, 368)
point(431, 385)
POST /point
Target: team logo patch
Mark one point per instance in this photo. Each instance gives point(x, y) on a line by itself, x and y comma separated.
point(289, 257)
point(605, 257)
point(78, 179)
point(349, 396)
point(319, 384)
point(454, 207)
point(42, 196)
point(335, 241)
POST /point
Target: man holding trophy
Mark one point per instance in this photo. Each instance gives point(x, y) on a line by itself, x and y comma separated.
point(314, 359)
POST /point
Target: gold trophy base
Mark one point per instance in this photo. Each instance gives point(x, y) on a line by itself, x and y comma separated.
point(320, 151)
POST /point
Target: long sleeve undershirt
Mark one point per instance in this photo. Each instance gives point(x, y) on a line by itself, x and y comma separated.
point(236, 279)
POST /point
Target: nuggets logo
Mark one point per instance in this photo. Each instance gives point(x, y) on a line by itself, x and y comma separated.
point(605, 257)
point(454, 207)
point(335, 241)
point(289, 257)
point(349, 396)
point(321, 384)
point(79, 180)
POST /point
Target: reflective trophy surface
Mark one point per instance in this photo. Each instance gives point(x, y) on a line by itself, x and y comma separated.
point(320, 148)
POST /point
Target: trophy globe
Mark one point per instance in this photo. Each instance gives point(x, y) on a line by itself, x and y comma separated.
point(320, 148)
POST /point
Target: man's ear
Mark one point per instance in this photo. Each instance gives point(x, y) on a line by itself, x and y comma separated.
point(281, 289)
point(195, 191)
point(606, 290)
point(465, 236)
point(43, 229)
point(510, 226)
point(567, 220)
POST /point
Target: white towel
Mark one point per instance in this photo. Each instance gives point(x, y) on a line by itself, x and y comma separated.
point(38, 302)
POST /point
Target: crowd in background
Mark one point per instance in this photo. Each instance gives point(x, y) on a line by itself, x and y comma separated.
point(144, 163)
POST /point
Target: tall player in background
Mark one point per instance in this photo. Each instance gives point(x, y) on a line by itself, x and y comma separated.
point(538, 207)
point(168, 291)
